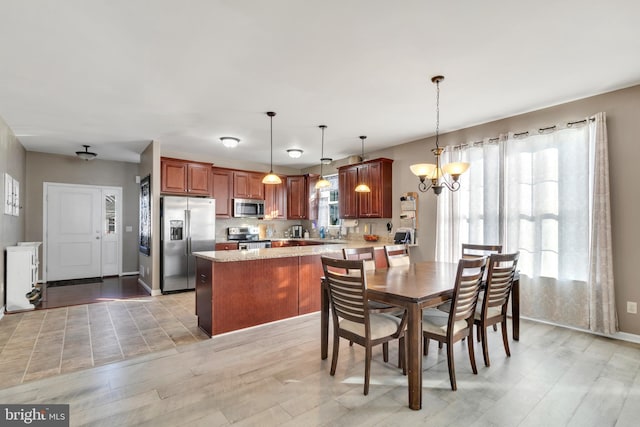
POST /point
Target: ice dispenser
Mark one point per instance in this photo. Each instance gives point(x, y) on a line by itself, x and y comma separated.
point(176, 227)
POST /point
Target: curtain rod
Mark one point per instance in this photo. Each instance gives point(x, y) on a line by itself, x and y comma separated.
point(516, 135)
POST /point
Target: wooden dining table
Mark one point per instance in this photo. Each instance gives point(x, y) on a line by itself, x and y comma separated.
point(413, 287)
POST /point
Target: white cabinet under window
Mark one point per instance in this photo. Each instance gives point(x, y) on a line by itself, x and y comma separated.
point(22, 275)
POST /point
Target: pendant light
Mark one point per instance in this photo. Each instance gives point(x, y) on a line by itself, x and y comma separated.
point(437, 175)
point(271, 178)
point(362, 187)
point(323, 183)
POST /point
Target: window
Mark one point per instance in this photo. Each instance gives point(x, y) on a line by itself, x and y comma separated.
point(328, 206)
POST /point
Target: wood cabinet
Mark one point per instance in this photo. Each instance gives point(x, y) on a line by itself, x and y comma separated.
point(227, 246)
point(302, 197)
point(275, 200)
point(221, 190)
point(185, 177)
point(377, 174)
point(248, 185)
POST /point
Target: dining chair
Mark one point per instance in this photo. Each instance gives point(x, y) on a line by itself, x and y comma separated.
point(493, 307)
point(472, 250)
point(352, 318)
point(397, 255)
point(458, 323)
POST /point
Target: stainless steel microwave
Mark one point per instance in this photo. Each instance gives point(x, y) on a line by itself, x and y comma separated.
point(248, 208)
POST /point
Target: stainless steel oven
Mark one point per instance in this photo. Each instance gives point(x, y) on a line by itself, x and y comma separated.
point(248, 208)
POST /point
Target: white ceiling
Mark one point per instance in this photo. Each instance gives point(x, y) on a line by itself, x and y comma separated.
point(117, 74)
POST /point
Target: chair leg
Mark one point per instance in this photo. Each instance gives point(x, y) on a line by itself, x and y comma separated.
point(425, 346)
point(485, 347)
point(505, 338)
point(479, 331)
point(367, 369)
point(385, 352)
point(495, 327)
point(440, 344)
point(452, 369)
point(400, 345)
point(334, 358)
point(403, 353)
point(472, 353)
point(350, 343)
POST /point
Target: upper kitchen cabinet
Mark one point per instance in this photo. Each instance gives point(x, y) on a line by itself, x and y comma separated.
point(185, 177)
point(302, 197)
point(221, 190)
point(275, 200)
point(378, 203)
point(248, 185)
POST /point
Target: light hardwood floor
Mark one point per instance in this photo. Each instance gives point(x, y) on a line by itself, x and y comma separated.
point(272, 375)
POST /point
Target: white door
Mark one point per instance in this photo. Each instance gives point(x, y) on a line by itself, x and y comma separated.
point(73, 227)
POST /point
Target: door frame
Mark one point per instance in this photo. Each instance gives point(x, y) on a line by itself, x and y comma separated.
point(45, 214)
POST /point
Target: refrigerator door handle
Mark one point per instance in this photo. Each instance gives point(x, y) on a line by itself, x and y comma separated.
point(187, 216)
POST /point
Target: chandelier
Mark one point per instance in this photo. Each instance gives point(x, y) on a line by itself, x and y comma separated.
point(271, 178)
point(446, 176)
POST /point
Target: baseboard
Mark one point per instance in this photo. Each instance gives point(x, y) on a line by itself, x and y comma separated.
point(622, 336)
point(152, 292)
point(130, 273)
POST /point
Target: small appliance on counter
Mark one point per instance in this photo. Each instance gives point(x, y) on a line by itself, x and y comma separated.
point(247, 237)
point(297, 232)
point(404, 235)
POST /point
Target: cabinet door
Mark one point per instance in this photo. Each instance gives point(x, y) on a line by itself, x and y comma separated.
point(199, 179)
point(173, 176)
point(221, 187)
point(241, 185)
point(364, 199)
point(228, 246)
point(296, 197)
point(256, 187)
point(275, 200)
point(347, 200)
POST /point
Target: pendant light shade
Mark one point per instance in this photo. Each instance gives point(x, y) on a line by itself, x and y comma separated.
point(271, 178)
point(322, 183)
point(362, 187)
point(446, 176)
point(86, 154)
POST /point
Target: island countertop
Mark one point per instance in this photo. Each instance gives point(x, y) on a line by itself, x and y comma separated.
point(285, 252)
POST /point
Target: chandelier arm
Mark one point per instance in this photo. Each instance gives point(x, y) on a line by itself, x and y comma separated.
point(454, 186)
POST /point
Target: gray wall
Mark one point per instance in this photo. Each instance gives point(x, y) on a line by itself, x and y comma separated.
point(42, 167)
point(12, 161)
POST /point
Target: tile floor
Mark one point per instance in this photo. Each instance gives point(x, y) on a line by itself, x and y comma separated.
point(44, 343)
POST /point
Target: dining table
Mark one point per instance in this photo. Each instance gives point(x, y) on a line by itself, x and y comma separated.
point(413, 287)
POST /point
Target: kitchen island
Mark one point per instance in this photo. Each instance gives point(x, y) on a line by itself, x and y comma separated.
point(242, 288)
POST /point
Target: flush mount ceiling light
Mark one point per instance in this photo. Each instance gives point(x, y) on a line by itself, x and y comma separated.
point(294, 153)
point(439, 177)
point(86, 154)
point(323, 183)
point(230, 141)
point(271, 178)
point(362, 186)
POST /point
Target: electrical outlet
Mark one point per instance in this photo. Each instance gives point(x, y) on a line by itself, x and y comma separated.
point(632, 307)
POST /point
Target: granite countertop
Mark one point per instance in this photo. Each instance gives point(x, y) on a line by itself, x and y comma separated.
point(267, 253)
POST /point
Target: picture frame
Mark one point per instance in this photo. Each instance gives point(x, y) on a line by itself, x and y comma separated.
point(144, 241)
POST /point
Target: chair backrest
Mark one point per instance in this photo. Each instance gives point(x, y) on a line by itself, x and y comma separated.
point(347, 292)
point(466, 290)
point(397, 255)
point(367, 254)
point(470, 250)
point(500, 275)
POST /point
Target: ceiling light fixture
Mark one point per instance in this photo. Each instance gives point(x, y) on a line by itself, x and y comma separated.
point(362, 186)
point(271, 178)
point(323, 183)
point(437, 175)
point(230, 141)
point(294, 153)
point(86, 154)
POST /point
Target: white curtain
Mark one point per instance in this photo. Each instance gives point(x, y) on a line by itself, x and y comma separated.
point(602, 309)
point(547, 196)
point(472, 214)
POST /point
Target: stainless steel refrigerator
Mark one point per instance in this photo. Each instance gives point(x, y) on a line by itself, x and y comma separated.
point(188, 225)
